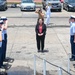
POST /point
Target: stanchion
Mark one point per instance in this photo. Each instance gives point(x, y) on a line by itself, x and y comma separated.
point(60, 71)
point(69, 63)
point(44, 67)
point(34, 64)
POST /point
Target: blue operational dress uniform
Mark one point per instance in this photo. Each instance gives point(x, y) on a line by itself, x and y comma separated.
point(4, 41)
point(72, 36)
point(1, 53)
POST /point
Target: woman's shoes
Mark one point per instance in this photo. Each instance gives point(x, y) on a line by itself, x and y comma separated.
point(40, 51)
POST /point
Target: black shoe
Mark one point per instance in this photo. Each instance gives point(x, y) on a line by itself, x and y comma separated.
point(38, 50)
point(72, 59)
point(9, 60)
point(42, 51)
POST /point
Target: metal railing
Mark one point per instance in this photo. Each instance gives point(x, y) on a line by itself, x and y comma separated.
point(68, 68)
point(69, 61)
point(60, 69)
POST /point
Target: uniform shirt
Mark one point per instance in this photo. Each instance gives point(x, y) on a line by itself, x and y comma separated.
point(5, 31)
point(72, 28)
point(2, 35)
point(48, 10)
point(0, 44)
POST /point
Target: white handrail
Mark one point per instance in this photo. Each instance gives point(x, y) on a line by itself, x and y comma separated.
point(60, 71)
point(44, 67)
point(68, 63)
point(34, 65)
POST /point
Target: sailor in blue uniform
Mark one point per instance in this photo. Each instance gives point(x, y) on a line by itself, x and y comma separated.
point(1, 36)
point(4, 41)
point(72, 37)
point(0, 44)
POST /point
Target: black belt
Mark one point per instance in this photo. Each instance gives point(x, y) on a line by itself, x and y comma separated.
point(72, 35)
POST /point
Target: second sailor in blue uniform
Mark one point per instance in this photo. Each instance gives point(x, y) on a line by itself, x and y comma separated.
point(4, 42)
point(72, 37)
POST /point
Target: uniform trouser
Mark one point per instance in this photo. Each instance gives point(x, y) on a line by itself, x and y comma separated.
point(5, 35)
point(40, 42)
point(4, 46)
point(72, 46)
point(1, 62)
point(48, 19)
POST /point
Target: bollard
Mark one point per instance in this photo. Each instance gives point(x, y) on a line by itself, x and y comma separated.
point(44, 67)
point(69, 63)
point(59, 71)
point(34, 64)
